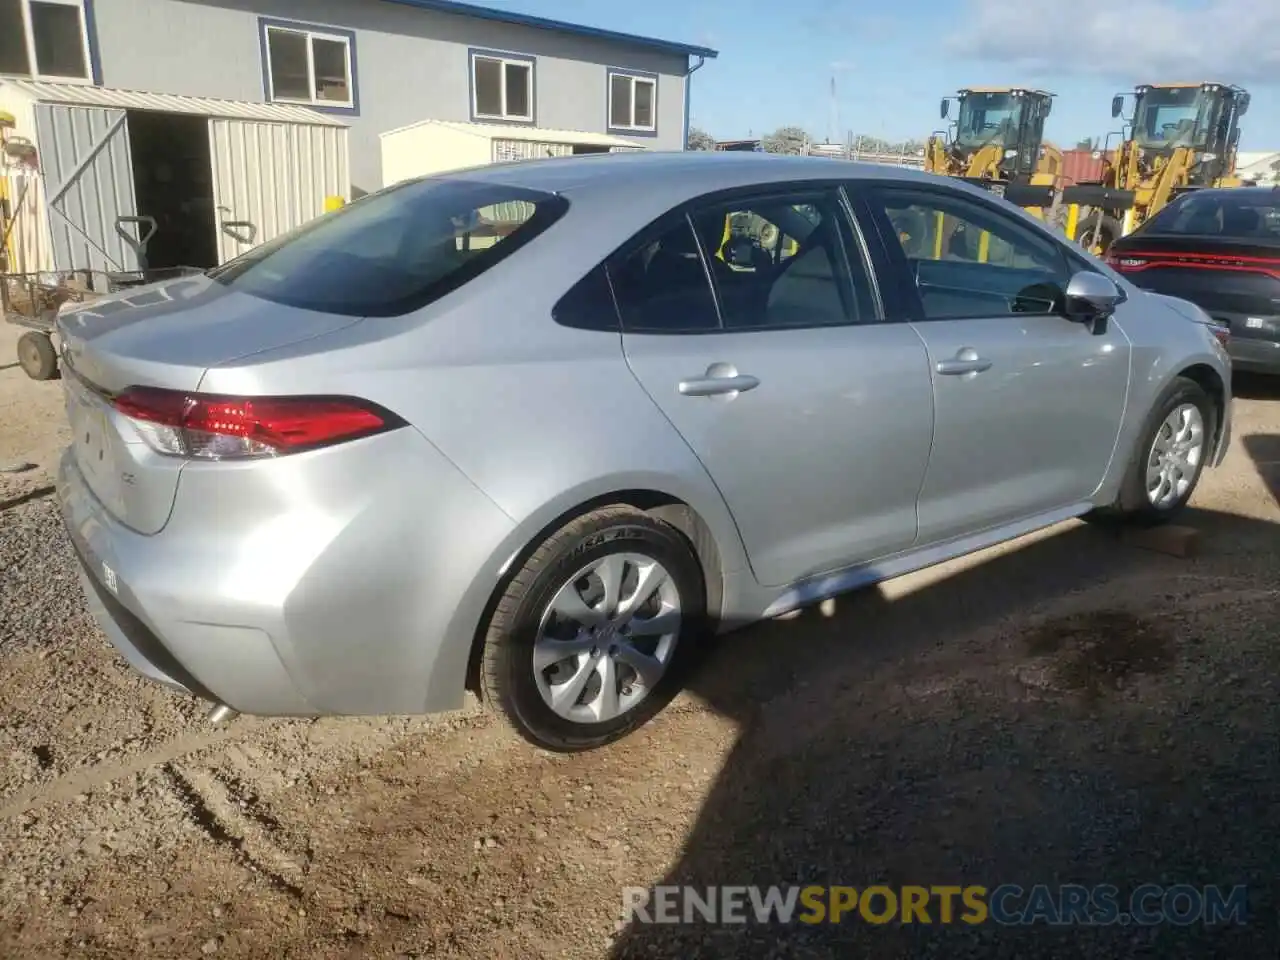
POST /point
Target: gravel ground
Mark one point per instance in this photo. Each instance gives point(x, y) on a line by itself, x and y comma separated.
point(1062, 709)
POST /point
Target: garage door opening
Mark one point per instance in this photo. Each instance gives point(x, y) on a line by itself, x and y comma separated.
point(173, 180)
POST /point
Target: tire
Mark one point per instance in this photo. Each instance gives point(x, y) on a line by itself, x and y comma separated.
point(37, 357)
point(1108, 232)
point(1134, 504)
point(522, 625)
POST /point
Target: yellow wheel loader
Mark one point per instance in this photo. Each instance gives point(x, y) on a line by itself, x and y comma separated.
point(998, 143)
point(1180, 137)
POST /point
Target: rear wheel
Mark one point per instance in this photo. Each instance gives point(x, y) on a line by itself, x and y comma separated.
point(1166, 467)
point(1097, 232)
point(37, 357)
point(589, 639)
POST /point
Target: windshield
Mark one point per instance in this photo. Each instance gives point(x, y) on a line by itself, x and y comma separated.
point(1247, 213)
point(1180, 117)
point(396, 250)
point(987, 118)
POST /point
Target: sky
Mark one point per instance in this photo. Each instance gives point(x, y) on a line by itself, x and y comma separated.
point(893, 62)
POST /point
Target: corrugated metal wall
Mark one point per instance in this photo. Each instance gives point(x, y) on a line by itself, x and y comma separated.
point(504, 150)
point(1079, 166)
point(274, 176)
point(88, 183)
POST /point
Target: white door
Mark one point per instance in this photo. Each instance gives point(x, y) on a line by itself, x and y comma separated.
point(269, 178)
point(88, 181)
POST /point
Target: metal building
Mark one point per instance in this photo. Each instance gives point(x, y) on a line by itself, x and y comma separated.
point(207, 178)
point(435, 146)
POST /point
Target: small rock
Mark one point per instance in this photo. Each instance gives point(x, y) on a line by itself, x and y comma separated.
point(17, 466)
point(490, 842)
point(218, 913)
point(209, 947)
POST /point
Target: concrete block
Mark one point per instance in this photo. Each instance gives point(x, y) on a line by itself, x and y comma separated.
point(1173, 540)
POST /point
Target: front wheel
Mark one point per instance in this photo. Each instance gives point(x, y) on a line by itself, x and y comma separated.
point(589, 639)
point(1097, 232)
point(1166, 467)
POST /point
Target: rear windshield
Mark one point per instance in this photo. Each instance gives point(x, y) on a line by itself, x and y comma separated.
point(1246, 213)
point(395, 250)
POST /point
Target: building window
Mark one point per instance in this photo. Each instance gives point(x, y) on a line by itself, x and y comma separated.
point(44, 39)
point(633, 101)
point(501, 87)
point(308, 65)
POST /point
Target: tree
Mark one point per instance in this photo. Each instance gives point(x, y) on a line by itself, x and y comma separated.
point(786, 140)
point(1084, 143)
point(700, 140)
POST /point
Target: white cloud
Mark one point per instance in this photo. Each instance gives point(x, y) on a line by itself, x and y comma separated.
point(1232, 41)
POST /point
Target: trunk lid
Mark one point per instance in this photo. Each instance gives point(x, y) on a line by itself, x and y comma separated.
point(161, 335)
point(1236, 281)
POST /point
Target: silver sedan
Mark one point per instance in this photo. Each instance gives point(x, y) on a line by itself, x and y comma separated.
point(540, 429)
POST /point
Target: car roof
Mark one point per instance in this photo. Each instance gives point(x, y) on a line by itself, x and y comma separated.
point(665, 179)
point(1252, 196)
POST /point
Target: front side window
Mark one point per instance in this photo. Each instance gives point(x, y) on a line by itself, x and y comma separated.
point(501, 87)
point(970, 260)
point(633, 102)
point(44, 39)
point(309, 66)
point(396, 250)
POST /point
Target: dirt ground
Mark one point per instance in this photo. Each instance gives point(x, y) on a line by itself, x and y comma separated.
point(1062, 709)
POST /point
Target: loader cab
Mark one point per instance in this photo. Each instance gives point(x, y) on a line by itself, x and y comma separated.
point(1201, 118)
point(1012, 120)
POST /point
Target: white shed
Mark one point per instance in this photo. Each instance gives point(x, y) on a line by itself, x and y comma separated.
point(436, 146)
point(96, 169)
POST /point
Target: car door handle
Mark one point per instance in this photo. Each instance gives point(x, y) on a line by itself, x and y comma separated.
point(714, 386)
point(966, 360)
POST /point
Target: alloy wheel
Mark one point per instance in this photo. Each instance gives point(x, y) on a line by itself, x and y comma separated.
point(1175, 456)
point(607, 637)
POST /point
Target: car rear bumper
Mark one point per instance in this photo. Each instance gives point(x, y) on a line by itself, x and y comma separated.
point(1255, 341)
point(1255, 355)
point(367, 603)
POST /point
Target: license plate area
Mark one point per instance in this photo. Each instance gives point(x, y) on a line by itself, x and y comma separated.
point(90, 432)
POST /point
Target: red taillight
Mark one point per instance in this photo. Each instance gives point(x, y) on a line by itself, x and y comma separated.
point(210, 427)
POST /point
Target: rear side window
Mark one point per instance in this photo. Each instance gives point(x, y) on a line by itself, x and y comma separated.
point(395, 250)
point(1248, 216)
point(662, 286)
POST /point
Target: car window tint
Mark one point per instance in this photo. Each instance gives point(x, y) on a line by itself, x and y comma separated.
point(661, 285)
point(589, 304)
point(396, 250)
point(1253, 214)
point(780, 262)
point(970, 260)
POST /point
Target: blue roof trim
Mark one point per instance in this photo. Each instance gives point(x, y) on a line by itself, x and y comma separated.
point(545, 23)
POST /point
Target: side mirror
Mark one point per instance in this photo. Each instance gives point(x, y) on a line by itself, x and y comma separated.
point(1117, 104)
point(945, 108)
point(1092, 298)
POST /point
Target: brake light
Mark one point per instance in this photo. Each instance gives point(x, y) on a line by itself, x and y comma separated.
point(1222, 332)
point(211, 427)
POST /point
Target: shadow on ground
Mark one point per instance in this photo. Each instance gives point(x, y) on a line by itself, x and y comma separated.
point(1123, 745)
point(1264, 451)
point(1255, 386)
